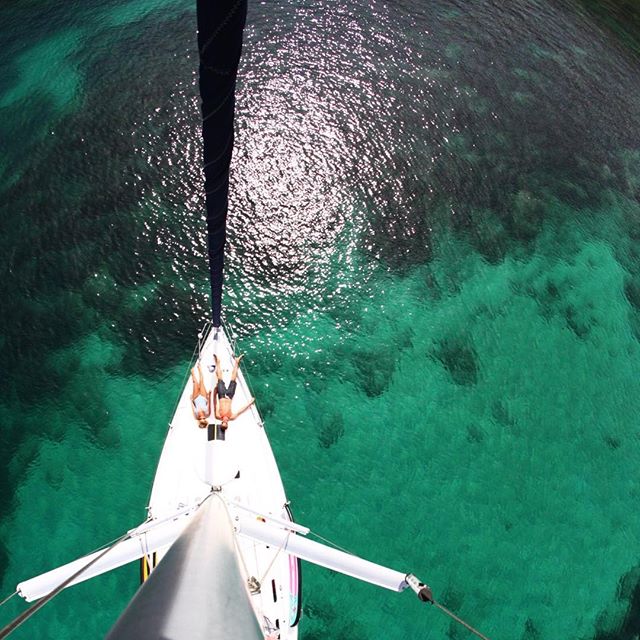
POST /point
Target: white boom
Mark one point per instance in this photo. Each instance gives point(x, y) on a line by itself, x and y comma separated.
point(322, 555)
point(138, 545)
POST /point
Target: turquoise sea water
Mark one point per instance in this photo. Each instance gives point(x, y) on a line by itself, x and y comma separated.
point(433, 268)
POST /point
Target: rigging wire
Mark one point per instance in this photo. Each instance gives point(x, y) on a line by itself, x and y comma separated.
point(331, 543)
point(277, 553)
point(8, 598)
point(442, 608)
point(25, 615)
point(459, 620)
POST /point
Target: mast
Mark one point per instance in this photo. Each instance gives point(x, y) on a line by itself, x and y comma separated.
point(220, 25)
point(196, 592)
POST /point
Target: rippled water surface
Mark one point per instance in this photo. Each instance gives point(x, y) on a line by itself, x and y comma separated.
point(432, 265)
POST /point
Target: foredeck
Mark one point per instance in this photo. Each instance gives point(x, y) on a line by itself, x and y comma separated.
point(243, 469)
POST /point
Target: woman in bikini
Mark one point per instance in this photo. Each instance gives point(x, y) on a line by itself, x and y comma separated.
point(223, 395)
point(200, 398)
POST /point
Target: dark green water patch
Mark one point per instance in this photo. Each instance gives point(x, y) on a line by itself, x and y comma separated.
point(99, 228)
point(475, 433)
point(628, 597)
point(530, 630)
point(502, 415)
point(620, 17)
point(374, 369)
point(331, 429)
point(612, 442)
point(491, 166)
point(94, 235)
point(459, 358)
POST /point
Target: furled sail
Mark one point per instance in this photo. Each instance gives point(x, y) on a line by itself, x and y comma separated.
point(220, 26)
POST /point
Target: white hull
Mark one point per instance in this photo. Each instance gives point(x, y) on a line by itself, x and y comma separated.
point(248, 554)
point(244, 471)
point(239, 472)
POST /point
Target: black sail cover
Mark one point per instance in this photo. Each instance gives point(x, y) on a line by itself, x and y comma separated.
point(220, 26)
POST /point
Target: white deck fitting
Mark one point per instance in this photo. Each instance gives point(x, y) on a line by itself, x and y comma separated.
point(190, 465)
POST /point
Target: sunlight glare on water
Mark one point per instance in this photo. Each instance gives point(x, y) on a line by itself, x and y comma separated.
point(432, 267)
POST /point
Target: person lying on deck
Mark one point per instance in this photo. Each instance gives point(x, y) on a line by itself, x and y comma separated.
point(200, 398)
point(223, 395)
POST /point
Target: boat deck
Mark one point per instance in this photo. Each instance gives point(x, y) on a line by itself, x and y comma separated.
point(242, 468)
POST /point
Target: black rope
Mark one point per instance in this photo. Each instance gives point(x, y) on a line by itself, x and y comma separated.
point(460, 620)
point(25, 615)
point(442, 608)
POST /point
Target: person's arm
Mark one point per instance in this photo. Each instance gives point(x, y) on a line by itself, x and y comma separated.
point(246, 406)
point(215, 403)
point(193, 392)
point(193, 407)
